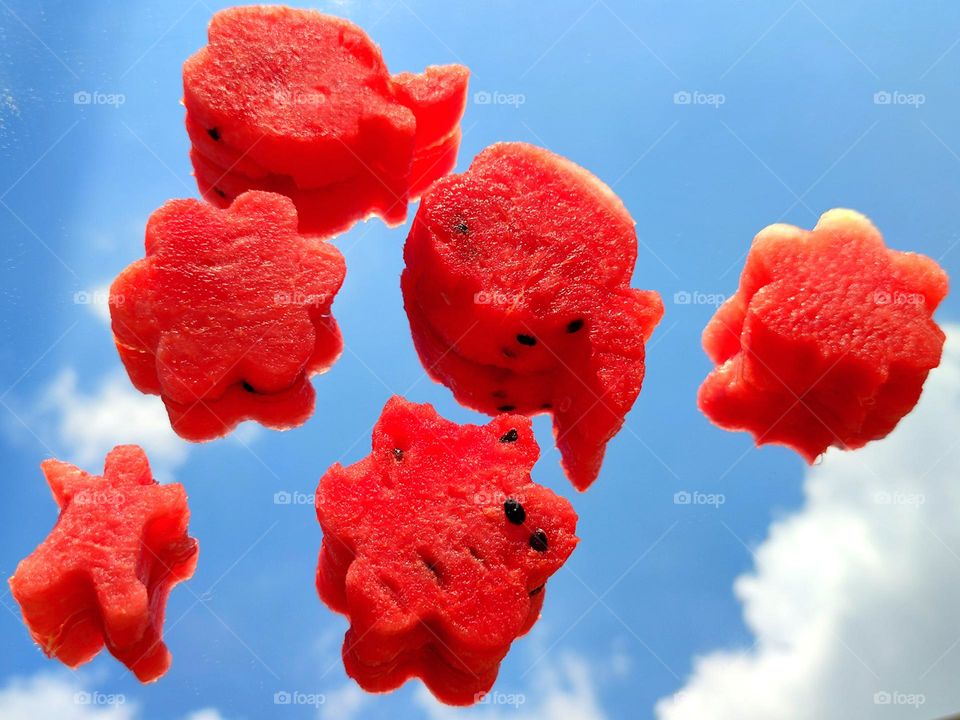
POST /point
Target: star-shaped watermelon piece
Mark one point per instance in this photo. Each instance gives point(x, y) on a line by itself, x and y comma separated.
point(437, 547)
point(103, 574)
point(828, 339)
point(229, 314)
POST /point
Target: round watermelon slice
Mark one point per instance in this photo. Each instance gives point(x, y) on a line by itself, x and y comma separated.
point(302, 103)
point(517, 287)
point(228, 315)
point(437, 547)
point(103, 575)
point(828, 340)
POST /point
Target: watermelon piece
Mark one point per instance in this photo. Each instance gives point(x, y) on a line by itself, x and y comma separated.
point(437, 547)
point(300, 100)
point(103, 574)
point(517, 288)
point(828, 340)
point(228, 315)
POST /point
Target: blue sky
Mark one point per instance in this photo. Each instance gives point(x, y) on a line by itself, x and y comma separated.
point(787, 117)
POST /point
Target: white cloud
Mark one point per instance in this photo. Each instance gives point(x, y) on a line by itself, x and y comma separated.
point(562, 690)
point(89, 425)
point(855, 599)
point(344, 703)
point(205, 714)
point(69, 697)
point(97, 300)
point(49, 695)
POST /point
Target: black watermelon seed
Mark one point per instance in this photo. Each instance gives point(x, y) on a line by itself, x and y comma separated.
point(461, 227)
point(248, 387)
point(397, 454)
point(214, 133)
point(506, 408)
point(546, 406)
point(510, 436)
point(536, 591)
point(514, 511)
point(528, 340)
point(574, 325)
point(219, 192)
point(538, 540)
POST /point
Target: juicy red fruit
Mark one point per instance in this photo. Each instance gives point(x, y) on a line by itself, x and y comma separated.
point(828, 340)
point(229, 314)
point(295, 101)
point(517, 288)
point(103, 575)
point(437, 547)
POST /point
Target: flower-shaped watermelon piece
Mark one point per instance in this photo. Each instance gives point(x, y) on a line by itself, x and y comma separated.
point(437, 547)
point(228, 315)
point(517, 288)
point(828, 340)
point(103, 574)
point(282, 97)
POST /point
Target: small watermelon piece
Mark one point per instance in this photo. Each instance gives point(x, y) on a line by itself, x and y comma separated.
point(828, 340)
point(303, 103)
point(103, 575)
point(228, 315)
point(437, 547)
point(517, 290)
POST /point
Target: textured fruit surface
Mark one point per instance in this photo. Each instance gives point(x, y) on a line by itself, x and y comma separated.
point(437, 546)
point(103, 575)
point(228, 315)
point(303, 102)
point(828, 340)
point(517, 290)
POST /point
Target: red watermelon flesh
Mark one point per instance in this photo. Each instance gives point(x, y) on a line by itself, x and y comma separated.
point(437, 97)
point(232, 307)
point(103, 575)
point(524, 242)
point(589, 395)
point(323, 212)
point(432, 162)
point(517, 291)
point(307, 97)
point(421, 553)
point(221, 155)
point(828, 340)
